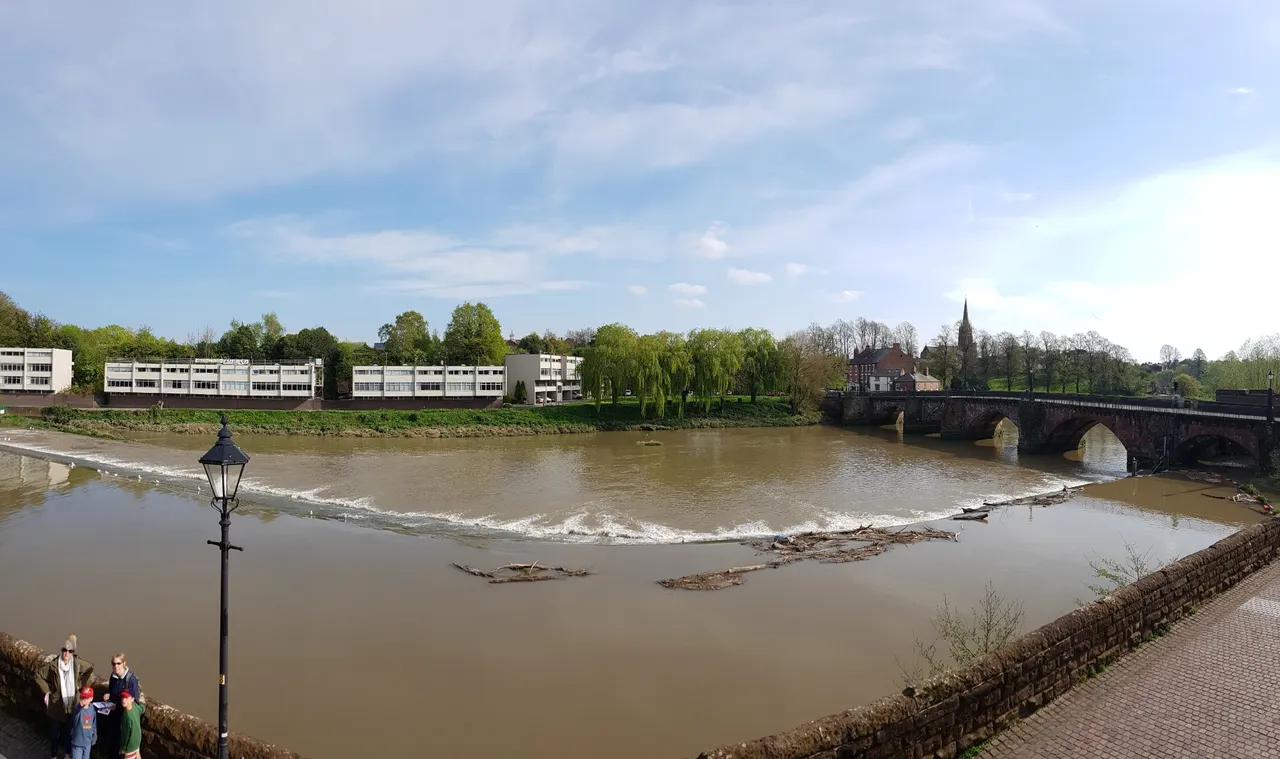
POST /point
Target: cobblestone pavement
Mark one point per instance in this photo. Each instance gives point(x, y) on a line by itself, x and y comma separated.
point(1209, 688)
point(19, 740)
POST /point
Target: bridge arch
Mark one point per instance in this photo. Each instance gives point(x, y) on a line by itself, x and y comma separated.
point(1217, 442)
point(1068, 433)
point(984, 425)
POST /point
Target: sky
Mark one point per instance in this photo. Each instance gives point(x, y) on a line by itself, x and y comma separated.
point(1065, 166)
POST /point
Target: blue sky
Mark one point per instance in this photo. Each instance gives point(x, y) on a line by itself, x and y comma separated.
point(1065, 165)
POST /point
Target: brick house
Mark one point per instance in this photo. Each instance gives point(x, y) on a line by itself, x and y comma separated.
point(916, 382)
point(869, 361)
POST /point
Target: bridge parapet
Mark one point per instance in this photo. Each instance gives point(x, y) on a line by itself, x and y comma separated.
point(1152, 433)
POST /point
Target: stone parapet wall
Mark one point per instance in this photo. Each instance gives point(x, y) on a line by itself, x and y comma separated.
point(166, 732)
point(950, 713)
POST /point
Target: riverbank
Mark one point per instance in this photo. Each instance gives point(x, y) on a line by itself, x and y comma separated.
point(575, 667)
point(424, 423)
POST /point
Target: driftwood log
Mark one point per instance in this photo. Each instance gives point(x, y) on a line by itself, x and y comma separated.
point(826, 547)
point(530, 572)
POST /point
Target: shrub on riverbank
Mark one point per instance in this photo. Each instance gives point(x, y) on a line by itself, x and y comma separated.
point(566, 418)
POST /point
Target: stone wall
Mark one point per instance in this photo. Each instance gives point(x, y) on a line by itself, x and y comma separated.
point(948, 714)
point(166, 732)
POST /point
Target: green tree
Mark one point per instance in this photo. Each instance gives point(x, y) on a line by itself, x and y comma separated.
point(403, 339)
point(1187, 386)
point(533, 343)
point(474, 337)
point(272, 331)
point(241, 341)
point(760, 360)
point(807, 370)
point(521, 393)
point(717, 356)
point(677, 366)
point(647, 369)
point(15, 323)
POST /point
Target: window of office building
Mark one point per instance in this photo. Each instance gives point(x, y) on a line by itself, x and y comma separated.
point(266, 371)
point(430, 386)
point(365, 387)
point(174, 369)
point(176, 384)
point(145, 383)
point(490, 385)
point(399, 387)
point(368, 371)
point(294, 386)
point(400, 372)
point(12, 353)
point(10, 367)
point(206, 385)
point(268, 386)
point(460, 387)
point(119, 383)
point(11, 380)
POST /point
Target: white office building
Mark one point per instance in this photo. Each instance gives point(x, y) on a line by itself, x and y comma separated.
point(35, 370)
point(215, 377)
point(428, 382)
point(546, 378)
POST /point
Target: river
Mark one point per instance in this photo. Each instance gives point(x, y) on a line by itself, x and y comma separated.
point(352, 635)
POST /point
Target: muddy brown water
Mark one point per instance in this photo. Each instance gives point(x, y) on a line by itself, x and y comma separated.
point(352, 635)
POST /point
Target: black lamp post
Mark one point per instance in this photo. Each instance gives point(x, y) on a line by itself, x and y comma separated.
point(223, 464)
point(1271, 399)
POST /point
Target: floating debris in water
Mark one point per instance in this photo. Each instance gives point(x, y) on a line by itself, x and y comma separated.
point(530, 572)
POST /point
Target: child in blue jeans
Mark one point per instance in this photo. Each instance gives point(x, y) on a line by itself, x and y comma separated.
point(83, 725)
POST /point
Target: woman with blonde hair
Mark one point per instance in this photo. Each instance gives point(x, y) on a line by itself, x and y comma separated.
point(60, 682)
point(122, 679)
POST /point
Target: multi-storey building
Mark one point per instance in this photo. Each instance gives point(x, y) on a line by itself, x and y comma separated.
point(428, 382)
point(214, 377)
point(546, 378)
point(35, 370)
point(871, 361)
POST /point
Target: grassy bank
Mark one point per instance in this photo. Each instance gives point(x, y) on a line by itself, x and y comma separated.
point(568, 418)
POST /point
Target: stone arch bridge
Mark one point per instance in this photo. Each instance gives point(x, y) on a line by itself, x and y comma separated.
point(1153, 431)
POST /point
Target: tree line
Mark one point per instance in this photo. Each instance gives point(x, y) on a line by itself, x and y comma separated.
point(705, 364)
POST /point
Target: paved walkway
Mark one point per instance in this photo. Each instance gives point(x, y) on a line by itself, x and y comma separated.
point(18, 740)
point(1210, 688)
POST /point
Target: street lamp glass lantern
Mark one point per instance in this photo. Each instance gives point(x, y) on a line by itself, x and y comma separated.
point(224, 464)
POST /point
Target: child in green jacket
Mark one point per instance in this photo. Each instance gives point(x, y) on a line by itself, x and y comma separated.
point(131, 726)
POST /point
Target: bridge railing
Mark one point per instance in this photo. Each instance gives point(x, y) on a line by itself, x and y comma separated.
point(1118, 402)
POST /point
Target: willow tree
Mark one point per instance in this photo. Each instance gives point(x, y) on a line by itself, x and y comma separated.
point(650, 379)
point(593, 373)
point(760, 360)
point(677, 365)
point(717, 356)
point(609, 362)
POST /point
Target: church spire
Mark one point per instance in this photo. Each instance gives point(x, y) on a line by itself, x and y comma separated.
point(965, 336)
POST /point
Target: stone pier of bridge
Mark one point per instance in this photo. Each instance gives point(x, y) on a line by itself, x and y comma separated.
point(1154, 436)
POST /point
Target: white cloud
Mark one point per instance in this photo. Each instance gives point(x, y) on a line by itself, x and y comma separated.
point(1241, 91)
point(1100, 262)
point(794, 269)
point(637, 289)
point(846, 296)
point(423, 261)
point(280, 92)
point(748, 277)
point(684, 288)
point(688, 303)
point(711, 244)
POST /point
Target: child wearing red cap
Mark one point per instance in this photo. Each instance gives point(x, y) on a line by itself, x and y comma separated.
point(83, 725)
point(131, 726)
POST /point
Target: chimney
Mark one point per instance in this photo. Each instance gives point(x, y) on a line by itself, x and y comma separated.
point(897, 347)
